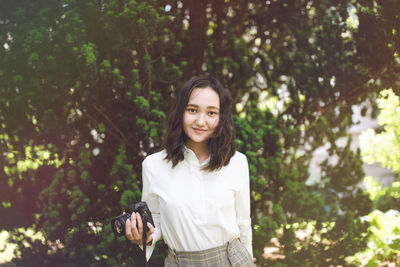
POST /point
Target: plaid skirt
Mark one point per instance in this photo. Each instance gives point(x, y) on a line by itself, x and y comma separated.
point(234, 254)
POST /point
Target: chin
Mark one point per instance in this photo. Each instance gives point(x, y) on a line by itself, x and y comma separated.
point(198, 141)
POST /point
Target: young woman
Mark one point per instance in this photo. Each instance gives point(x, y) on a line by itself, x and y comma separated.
point(197, 188)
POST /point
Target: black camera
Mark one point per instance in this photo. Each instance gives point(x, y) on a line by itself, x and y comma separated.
point(118, 223)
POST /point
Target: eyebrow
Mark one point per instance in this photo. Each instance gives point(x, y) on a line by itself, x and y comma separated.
point(194, 105)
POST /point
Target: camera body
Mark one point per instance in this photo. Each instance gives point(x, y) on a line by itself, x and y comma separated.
point(118, 223)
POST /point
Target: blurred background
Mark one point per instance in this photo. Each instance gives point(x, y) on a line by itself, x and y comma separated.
point(84, 91)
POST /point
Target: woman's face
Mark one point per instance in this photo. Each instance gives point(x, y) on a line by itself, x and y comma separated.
point(201, 116)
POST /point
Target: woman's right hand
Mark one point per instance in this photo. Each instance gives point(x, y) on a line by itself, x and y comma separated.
point(134, 233)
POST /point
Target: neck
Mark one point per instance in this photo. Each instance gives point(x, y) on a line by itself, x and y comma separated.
point(200, 150)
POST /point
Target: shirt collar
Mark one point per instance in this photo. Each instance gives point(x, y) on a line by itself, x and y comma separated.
point(191, 159)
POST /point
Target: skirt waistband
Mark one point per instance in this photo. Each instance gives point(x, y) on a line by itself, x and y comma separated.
point(233, 254)
point(228, 246)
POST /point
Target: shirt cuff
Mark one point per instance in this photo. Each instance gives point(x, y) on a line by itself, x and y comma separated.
point(246, 234)
point(156, 236)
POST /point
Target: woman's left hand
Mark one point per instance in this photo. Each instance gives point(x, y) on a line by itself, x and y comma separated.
point(134, 233)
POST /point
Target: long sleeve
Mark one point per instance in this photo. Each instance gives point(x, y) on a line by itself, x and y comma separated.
point(194, 209)
point(152, 202)
point(242, 206)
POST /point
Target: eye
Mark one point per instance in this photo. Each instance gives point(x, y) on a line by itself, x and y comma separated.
point(212, 113)
point(191, 110)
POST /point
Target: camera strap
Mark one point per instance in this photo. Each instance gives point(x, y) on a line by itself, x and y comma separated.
point(144, 238)
point(139, 254)
point(139, 257)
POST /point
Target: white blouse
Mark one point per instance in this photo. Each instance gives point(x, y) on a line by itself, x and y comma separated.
point(194, 209)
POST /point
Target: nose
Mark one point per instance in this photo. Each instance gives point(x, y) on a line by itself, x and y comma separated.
point(200, 119)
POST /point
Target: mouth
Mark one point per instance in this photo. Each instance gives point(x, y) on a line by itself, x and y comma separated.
point(197, 130)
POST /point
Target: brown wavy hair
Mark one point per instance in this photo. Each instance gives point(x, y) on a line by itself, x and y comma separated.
point(221, 144)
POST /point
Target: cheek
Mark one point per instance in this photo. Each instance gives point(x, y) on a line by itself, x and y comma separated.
point(215, 123)
point(187, 120)
point(184, 118)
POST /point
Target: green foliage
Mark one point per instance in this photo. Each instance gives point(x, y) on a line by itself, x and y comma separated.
point(85, 86)
point(384, 148)
point(384, 242)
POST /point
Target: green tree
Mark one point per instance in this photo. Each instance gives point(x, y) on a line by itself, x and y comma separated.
point(85, 85)
point(383, 146)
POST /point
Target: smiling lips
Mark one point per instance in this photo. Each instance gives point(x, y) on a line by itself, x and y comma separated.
point(197, 130)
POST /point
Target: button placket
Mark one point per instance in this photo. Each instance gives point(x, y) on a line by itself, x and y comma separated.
point(196, 194)
point(202, 200)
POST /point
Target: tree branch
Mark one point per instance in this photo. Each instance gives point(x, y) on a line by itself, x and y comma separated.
point(120, 133)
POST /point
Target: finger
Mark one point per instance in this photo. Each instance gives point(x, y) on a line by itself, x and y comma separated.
point(128, 232)
point(134, 230)
point(151, 228)
point(150, 233)
point(149, 240)
point(140, 223)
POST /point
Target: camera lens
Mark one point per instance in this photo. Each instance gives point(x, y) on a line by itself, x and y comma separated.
point(118, 227)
